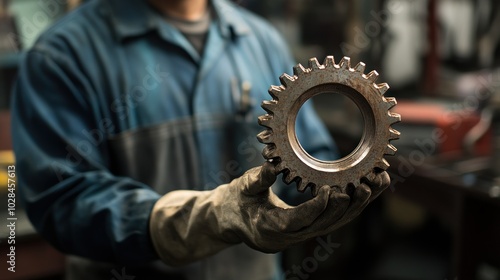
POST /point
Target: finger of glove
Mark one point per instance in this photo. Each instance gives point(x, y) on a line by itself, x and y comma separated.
point(293, 219)
point(359, 200)
point(338, 204)
point(381, 182)
point(259, 179)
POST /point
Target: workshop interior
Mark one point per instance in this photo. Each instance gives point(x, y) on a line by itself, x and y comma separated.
point(440, 216)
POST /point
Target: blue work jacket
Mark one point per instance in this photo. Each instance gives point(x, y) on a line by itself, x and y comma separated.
point(113, 107)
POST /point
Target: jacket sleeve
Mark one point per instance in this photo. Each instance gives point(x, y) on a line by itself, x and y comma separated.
point(70, 196)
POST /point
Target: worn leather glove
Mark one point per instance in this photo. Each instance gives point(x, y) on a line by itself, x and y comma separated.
point(186, 226)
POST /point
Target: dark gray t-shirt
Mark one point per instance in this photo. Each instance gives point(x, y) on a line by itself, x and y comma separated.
point(194, 31)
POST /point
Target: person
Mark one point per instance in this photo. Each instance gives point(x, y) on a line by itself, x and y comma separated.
point(134, 123)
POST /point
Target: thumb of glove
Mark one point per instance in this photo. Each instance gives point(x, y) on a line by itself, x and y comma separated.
point(259, 179)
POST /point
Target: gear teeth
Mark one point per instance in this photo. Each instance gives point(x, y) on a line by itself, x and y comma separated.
point(395, 117)
point(299, 70)
point(360, 67)
point(302, 185)
point(394, 134)
point(289, 177)
point(329, 62)
point(314, 190)
point(382, 88)
point(314, 64)
point(390, 150)
point(280, 167)
point(372, 76)
point(350, 185)
point(382, 164)
point(286, 80)
point(356, 182)
point(345, 63)
point(370, 177)
point(391, 102)
point(269, 105)
point(290, 90)
point(265, 120)
point(265, 137)
point(269, 151)
point(275, 91)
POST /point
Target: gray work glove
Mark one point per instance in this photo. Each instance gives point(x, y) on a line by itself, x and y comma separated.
point(186, 226)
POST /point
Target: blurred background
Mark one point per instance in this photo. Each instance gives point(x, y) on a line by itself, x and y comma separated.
point(440, 218)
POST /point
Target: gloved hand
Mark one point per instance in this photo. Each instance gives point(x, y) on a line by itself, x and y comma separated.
point(186, 226)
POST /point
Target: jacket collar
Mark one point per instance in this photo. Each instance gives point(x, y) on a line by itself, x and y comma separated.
point(137, 17)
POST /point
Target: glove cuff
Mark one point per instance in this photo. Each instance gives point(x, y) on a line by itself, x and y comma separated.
point(185, 226)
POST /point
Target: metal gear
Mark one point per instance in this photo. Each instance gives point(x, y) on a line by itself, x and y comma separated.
point(281, 141)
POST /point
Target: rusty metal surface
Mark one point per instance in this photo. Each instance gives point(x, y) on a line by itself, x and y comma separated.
point(281, 141)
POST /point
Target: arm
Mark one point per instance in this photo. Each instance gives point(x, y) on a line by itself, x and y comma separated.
point(69, 194)
point(190, 225)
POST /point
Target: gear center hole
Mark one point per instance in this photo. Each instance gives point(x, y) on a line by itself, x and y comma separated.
point(341, 116)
